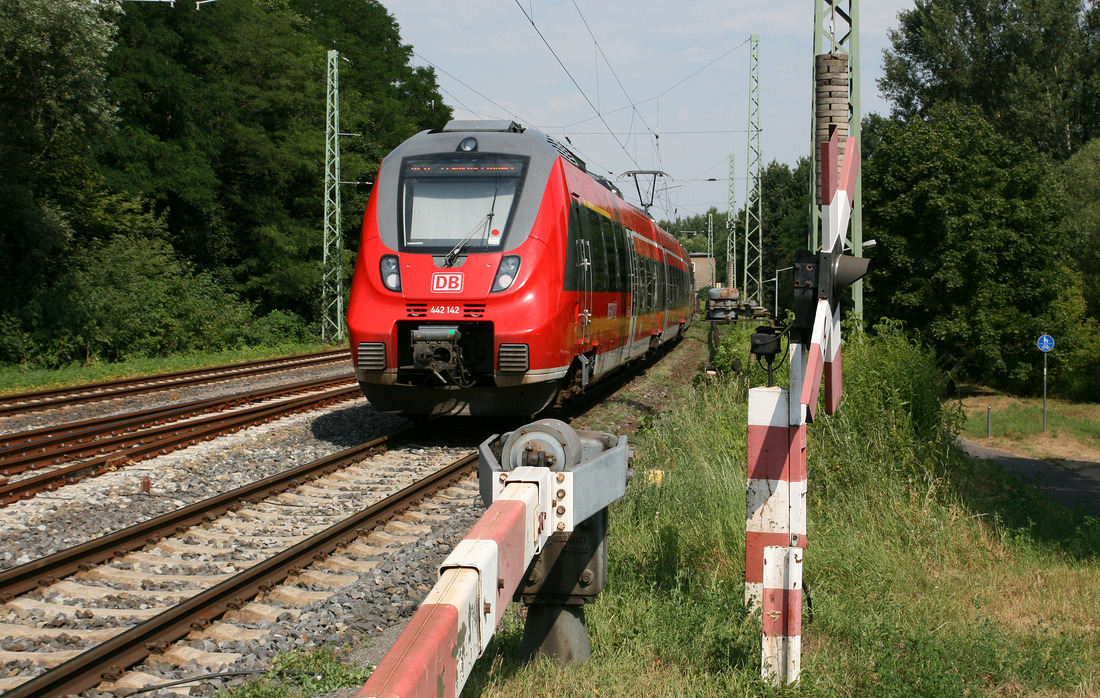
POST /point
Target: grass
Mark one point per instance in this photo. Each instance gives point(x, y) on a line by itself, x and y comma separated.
point(294, 675)
point(18, 379)
point(1024, 418)
point(1016, 424)
point(929, 574)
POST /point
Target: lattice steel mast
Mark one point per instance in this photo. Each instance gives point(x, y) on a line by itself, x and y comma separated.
point(332, 277)
point(836, 33)
point(710, 250)
point(752, 284)
point(731, 234)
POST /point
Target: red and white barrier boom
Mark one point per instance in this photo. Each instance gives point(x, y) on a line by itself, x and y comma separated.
point(775, 514)
point(545, 483)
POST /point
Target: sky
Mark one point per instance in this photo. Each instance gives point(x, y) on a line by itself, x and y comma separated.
point(640, 84)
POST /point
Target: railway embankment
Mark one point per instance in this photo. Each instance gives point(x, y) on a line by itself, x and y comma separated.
point(929, 572)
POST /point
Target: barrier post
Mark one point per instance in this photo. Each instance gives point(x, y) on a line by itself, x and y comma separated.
point(539, 481)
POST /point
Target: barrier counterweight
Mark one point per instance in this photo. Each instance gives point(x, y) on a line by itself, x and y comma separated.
point(529, 502)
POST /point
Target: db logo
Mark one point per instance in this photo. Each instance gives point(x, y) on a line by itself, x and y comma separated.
point(446, 282)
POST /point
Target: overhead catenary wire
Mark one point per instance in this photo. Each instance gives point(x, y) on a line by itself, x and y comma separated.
point(471, 89)
point(575, 83)
point(596, 43)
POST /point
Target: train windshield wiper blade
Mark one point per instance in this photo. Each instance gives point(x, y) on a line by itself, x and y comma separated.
point(452, 256)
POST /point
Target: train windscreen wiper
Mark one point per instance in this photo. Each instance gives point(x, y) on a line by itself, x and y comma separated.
point(452, 256)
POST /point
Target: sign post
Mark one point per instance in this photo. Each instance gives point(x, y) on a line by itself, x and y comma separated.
point(1046, 343)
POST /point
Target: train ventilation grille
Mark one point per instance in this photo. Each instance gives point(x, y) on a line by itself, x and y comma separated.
point(473, 310)
point(372, 356)
point(416, 309)
point(514, 358)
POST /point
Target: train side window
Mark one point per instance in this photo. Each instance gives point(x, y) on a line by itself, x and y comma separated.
point(655, 280)
point(662, 290)
point(622, 255)
point(599, 253)
point(612, 251)
point(611, 240)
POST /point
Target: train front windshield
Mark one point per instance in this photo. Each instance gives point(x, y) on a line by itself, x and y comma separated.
point(458, 202)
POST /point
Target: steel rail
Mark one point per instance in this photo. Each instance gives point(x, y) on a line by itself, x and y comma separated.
point(165, 440)
point(52, 445)
point(43, 399)
point(47, 570)
point(110, 659)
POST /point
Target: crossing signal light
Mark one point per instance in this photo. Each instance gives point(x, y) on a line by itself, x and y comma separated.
point(823, 276)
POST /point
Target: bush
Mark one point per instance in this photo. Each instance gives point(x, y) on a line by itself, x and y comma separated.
point(278, 327)
point(16, 346)
point(731, 355)
point(134, 297)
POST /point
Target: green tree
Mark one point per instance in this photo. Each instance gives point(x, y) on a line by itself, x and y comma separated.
point(969, 248)
point(53, 103)
point(1030, 66)
point(196, 134)
point(1082, 177)
point(222, 126)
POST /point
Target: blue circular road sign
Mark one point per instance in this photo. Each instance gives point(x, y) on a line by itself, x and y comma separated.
point(1046, 343)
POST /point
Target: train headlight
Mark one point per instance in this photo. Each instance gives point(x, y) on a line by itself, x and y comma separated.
point(506, 274)
point(391, 272)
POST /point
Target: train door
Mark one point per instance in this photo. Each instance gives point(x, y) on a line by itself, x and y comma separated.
point(631, 309)
point(662, 306)
point(578, 274)
point(584, 295)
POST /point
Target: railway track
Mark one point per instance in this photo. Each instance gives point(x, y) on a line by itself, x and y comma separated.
point(56, 444)
point(112, 451)
point(84, 615)
point(53, 610)
point(21, 403)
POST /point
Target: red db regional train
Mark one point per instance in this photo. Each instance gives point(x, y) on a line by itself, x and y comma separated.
point(495, 275)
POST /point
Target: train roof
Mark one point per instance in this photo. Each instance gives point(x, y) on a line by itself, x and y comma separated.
point(500, 135)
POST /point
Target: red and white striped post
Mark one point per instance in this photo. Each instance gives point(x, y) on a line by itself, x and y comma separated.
point(775, 512)
point(549, 479)
point(775, 530)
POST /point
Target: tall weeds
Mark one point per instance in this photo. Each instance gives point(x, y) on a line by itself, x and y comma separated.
point(920, 581)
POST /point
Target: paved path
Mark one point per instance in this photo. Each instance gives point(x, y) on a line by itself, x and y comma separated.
point(1078, 484)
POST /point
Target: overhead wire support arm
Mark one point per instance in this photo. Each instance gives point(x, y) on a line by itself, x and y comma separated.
point(645, 201)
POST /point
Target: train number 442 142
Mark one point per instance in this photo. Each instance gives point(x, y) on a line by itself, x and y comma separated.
point(445, 310)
